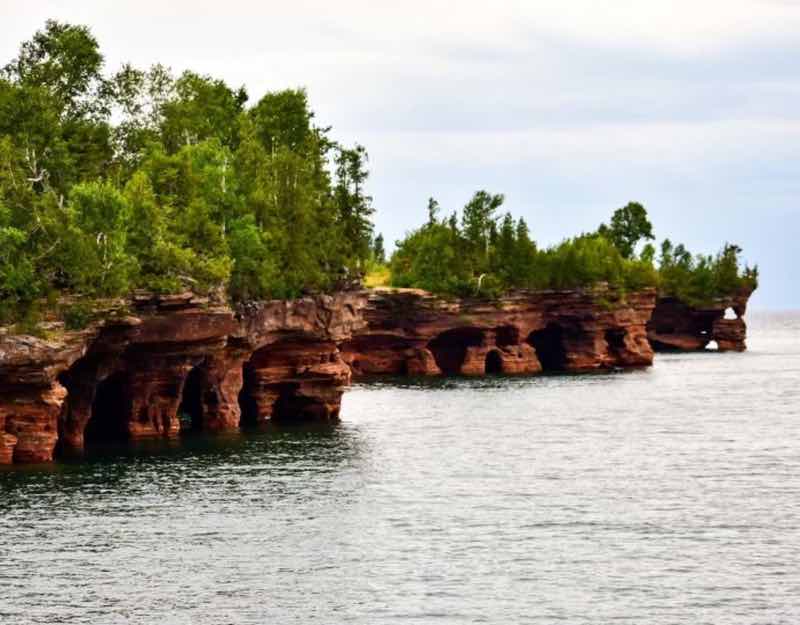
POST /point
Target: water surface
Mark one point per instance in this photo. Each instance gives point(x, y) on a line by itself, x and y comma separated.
point(670, 495)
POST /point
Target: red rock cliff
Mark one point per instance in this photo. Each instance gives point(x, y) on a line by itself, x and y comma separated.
point(413, 332)
point(174, 363)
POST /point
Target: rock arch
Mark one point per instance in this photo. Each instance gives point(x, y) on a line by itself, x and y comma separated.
point(297, 378)
point(449, 348)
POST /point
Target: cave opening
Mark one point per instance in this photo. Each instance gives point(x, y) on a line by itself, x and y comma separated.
point(191, 408)
point(615, 339)
point(248, 407)
point(108, 420)
point(449, 349)
point(549, 345)
point(494, 363)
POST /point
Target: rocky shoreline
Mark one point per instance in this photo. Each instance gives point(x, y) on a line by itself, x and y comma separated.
point(176, 363)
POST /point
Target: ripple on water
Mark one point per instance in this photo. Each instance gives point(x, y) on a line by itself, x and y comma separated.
point(657, 496)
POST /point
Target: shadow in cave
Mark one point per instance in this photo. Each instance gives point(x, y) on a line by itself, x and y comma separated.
point(494, 364)
point(108, 421)
point(549, 345)
point(190, 410)
point(248, 407)
point(615, 339)
point(450, 348)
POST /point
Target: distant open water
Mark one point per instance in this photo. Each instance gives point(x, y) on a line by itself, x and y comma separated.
point(669, 495)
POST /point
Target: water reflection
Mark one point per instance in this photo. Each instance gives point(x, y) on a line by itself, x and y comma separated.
point(119, 465)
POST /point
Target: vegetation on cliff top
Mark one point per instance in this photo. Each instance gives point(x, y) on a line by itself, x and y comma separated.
point(140, 179)
point(143, 180)
point(484, 253)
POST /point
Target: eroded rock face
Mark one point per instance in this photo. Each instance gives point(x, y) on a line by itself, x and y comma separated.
point(297, 377)
point(676, 326)
point(172, 364)
point(413, 332)
point(178, 363)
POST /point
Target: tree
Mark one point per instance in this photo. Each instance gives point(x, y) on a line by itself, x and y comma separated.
point(283, 119)
point(378, 251)
point(505, 248)
point(433, 211)
point(95, 256)
point(629, 225)
point(353, 204)
point(66, 61)
point(138, 98)
point(478, 220)
point(201, 108)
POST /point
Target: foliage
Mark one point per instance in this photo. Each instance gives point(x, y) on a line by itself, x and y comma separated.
point(378, 250)
point(699, 279)
point(629, 225)
point(139, 179)
point(77, 316)
point(489, 254)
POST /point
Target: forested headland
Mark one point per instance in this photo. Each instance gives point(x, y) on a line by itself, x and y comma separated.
point(141, 179)
point(484, 252)
point(112, 182)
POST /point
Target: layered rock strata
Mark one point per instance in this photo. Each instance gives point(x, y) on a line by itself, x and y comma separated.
point(411, 332)
point(173, 364)
point(166, 365)
point(675, 326)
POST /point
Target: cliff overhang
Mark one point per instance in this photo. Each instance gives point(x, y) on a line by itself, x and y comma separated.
point(165, 365)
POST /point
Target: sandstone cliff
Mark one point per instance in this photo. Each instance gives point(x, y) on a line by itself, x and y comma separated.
point(415, 333)
point(171, 364)
point(172, 359)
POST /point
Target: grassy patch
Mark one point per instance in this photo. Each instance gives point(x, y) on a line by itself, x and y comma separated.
point(378, 276)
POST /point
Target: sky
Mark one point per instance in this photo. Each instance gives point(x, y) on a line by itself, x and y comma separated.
point(570, 108)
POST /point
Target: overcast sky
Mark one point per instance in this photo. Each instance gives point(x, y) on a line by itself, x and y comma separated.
point(570, 108)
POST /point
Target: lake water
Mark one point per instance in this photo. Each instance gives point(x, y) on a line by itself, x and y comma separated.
point(670, 495)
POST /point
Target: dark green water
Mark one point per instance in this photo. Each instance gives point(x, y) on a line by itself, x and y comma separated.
point(670, 495)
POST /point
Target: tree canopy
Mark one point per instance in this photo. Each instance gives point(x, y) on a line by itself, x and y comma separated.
point(140, 179)
point(488, 254)
point(111, 182)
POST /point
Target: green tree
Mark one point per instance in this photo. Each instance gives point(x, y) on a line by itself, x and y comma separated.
point(378, 251)
point(478, 221)
point(202, 108)
point(629, 225)
point(353, 204)
point(433, 211)
point(95, 256)
point(65, 60)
